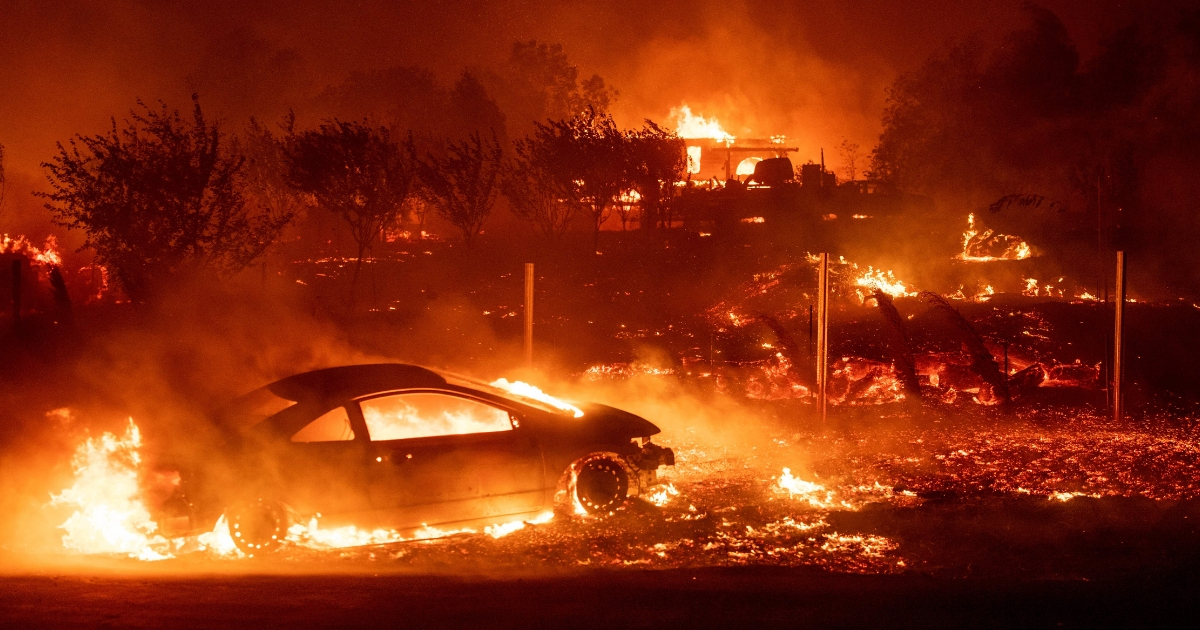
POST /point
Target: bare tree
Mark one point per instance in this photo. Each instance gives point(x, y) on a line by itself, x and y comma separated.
point(356, 171)
point(157, 198)
point(851, 156)
point(464, 181)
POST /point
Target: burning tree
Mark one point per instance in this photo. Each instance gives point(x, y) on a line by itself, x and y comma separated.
point(657, 161)
point(158, 198)
point(463, 181)
point(356, 171)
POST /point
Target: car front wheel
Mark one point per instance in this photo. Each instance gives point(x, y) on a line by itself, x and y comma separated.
point(601, 484)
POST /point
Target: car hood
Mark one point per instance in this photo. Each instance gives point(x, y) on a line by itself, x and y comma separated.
point(609, 422)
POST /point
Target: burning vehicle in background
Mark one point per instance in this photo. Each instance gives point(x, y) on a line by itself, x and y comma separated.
point(405, 447)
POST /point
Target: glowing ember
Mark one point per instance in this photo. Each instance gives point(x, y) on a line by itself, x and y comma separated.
point(525, 390)
point(1031, 287)
point(111, 516)
point(662, 495)
point(987, 246)
point(859, 381)
point(689, 125)
point(624, 370)
point(753, 220)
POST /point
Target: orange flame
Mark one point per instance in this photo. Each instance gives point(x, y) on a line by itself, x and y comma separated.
point(885, 281)
point(689, 125)
point(48, 255)
point(987, 246)
point(812, 493)
point(111, 516)
point(525, 390)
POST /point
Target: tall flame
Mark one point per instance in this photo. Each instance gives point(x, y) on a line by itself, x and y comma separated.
point(111, 516)
point(689, 125)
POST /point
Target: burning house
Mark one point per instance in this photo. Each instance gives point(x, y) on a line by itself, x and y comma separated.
point(733, 180)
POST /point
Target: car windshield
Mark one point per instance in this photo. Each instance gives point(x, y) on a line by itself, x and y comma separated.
point(557, 407)
point(253, 408)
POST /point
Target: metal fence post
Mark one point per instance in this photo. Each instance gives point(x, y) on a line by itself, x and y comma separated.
point(1118, 339)
point(529, 314)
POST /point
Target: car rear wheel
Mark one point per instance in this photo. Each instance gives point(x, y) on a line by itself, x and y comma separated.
point(601, 485)
point(258, 527)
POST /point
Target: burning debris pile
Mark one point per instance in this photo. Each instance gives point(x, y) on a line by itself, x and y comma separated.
point(987, 246)
point(891, 342)
point(43, 283)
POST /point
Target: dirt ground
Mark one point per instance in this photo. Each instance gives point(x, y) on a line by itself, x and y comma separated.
point(706, 598)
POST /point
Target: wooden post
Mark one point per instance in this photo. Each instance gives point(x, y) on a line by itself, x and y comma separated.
point(1118, 339)
point(529, 314)
point(810, 330)
point(16, 293)
point(822, 333)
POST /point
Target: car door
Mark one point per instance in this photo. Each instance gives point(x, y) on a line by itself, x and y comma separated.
point(323, 468)
point(439, 458)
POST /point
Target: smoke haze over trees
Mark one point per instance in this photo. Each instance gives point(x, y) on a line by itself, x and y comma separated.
point(813, 72)
point(1027, 117)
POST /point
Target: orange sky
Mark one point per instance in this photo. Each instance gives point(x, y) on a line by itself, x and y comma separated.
point(815, 71)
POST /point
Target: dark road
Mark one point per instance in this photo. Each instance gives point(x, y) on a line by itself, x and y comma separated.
point(728, 598)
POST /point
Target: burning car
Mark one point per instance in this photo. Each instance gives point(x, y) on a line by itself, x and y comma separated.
point(404, 447)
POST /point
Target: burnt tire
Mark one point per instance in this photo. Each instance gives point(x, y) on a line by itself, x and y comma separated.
point(601, 485)
point(258, 527)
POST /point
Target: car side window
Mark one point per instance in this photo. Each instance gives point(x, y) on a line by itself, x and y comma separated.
point(332, 426)
point(416, 415)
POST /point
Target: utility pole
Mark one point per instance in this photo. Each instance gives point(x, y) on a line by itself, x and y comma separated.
point(822, 333)
point(16, 294)
point(1118, 339)
point(529, 314)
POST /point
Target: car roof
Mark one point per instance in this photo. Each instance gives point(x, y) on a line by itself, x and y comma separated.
point(352, 381)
